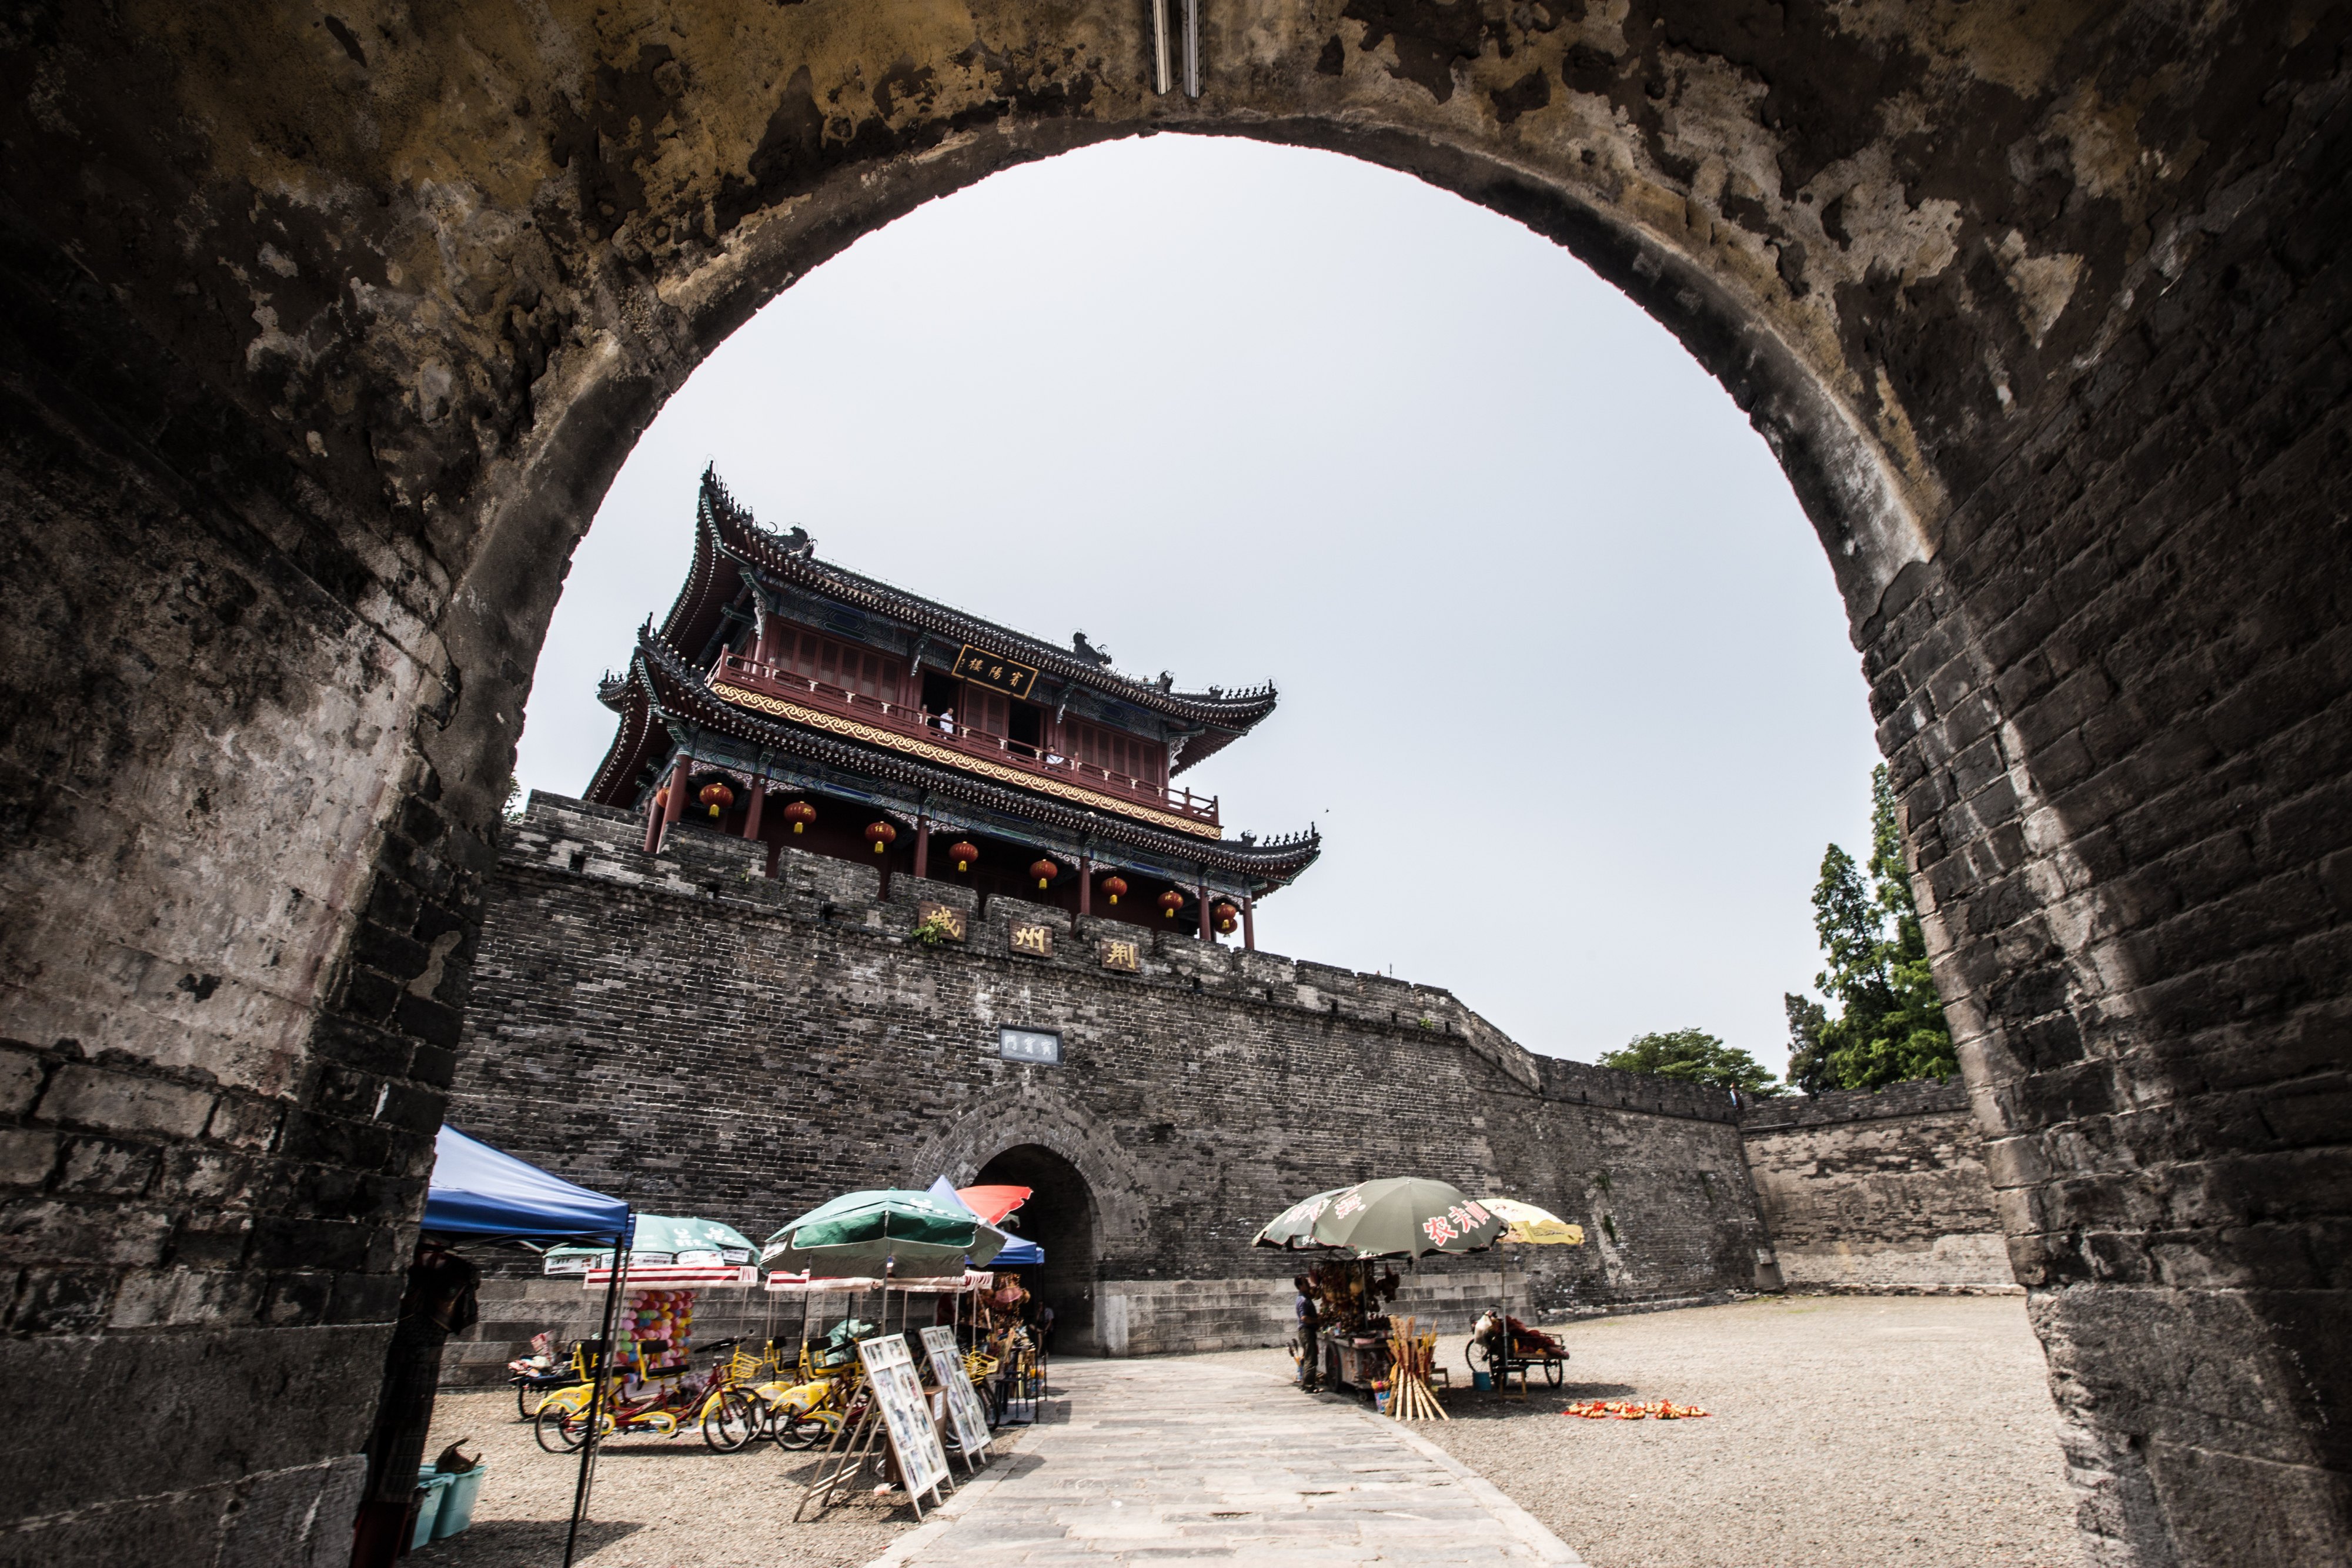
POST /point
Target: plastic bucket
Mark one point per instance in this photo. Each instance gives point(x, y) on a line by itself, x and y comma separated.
point(430, 1489)
point(457, 1500)
point(1481, 1382)
point(1381, 1400)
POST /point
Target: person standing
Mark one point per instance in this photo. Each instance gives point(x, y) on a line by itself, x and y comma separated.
point(1310, 1335)
point(1044, 1325)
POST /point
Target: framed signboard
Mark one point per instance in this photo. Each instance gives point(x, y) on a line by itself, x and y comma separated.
point(898, 1396)
point(983, 668)
point(963, 1400)
point(1034, 937)
point(1042, 1046)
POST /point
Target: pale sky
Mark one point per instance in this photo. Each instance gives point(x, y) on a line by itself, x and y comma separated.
point(1564, 678)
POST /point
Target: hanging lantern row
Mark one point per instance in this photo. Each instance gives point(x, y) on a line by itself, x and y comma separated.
point(965, 854)
point(1044, 871)
point(718, 797)
point(1225, 913)
point(1170, 902)
point(881, 835)
point(799, 814)
point(1114, 886)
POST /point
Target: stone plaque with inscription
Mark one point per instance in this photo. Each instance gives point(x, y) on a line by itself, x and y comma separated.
point(1122, 953)
point(1034, 937)
point(953, 920)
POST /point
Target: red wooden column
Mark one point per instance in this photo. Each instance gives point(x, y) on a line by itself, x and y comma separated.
point(1249, 924)
point(751, 812)
point(1086, 885)
point(922, 845)
point(1207, 933)
point(677, 807)
point(652, 820)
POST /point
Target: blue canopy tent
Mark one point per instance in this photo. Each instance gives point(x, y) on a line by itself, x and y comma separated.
point(483, 1193)
point(478, 1193)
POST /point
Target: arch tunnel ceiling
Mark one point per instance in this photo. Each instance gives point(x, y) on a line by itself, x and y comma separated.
point(325, 332)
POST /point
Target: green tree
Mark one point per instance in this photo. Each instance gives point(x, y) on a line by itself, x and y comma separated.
point(1694, 1056)
point(1889, 1027)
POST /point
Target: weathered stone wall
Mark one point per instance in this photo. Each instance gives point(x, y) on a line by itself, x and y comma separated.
point(680, 1031)
point(322, 335)
point(1877, 1190)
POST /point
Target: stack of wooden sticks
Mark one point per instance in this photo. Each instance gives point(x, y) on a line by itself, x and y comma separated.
point(1411, 1356)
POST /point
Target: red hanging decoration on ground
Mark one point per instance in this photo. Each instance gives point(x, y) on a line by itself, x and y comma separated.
point(881, 835)
point(718, 797)
point(799, 814)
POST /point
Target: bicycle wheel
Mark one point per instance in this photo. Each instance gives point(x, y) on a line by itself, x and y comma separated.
point(528, 1400)
point(560, 1430)
point(732, 1422)
point(797, 1432)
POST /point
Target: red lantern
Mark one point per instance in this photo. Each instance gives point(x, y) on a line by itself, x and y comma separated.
point(661, 798)
point(1113, 886)
point(881, 835)
point(1171, 901)
point(966, 856)
point(718, 797)
point(1225, 913)
point(1044, 872)
point(799, 814)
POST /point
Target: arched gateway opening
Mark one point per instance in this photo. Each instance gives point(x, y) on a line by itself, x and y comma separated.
point(1060, 1219)
point(325, 336)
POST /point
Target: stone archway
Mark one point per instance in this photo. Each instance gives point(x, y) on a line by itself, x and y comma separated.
point(327, 330)
point(1060, 1219)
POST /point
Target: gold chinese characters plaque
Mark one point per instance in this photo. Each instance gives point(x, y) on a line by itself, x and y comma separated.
point(1034, 938)
point(1122, 953)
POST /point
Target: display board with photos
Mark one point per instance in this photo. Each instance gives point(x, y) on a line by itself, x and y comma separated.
point(962, 1399)
point(897, 1393)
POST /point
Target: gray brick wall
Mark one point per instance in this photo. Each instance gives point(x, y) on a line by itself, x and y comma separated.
point(1882, 1190)
point(683, 1033)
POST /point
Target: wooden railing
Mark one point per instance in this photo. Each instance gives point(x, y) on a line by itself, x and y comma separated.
point(794, 686)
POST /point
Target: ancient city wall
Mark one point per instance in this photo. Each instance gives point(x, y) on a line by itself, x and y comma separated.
point(681, 1032)
point(1877, 1190)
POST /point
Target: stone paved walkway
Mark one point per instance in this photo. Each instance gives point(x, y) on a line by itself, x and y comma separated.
point(1175, 1461)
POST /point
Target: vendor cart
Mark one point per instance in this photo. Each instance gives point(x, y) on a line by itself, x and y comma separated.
point(1502, 1347)
point(1355, 1360)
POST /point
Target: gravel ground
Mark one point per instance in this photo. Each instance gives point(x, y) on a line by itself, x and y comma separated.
point(1846, 1432)
point(659, 1503)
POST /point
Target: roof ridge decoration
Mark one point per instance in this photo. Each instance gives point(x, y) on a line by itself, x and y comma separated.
point(791, 557)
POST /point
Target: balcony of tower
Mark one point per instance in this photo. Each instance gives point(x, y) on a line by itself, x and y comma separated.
point(734, 674)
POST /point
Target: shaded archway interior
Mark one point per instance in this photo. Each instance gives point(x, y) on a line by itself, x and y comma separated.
point(1060, 1219)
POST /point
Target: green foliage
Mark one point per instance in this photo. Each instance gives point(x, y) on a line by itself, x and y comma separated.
point(935, 928)
point(1694, 1056)
point(1889, 1027)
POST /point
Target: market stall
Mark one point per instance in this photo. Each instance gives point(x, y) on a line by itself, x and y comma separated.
point(1400, 1217)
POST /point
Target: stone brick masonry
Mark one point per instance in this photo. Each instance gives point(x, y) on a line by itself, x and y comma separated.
point(681, 1032)
point(1877, 1191)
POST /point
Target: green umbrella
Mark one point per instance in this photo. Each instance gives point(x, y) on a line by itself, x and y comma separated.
point(1401, 1217)
point(919, 1235)
point(1295, 1225)
point(660, 1238)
